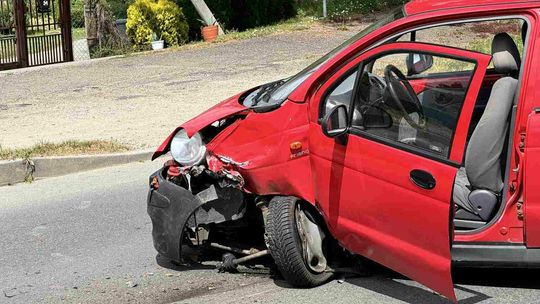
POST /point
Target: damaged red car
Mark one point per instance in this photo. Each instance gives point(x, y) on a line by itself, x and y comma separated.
point(415, 144)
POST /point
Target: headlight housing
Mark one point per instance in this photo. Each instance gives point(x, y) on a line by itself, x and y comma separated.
point(187, 151)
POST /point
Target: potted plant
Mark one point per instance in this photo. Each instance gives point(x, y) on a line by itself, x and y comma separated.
point(209, 31)
point(157, 44)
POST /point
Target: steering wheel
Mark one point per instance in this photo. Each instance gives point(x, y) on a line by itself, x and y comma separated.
point(404, 97)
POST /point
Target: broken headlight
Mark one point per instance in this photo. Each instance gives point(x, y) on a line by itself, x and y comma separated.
point(187, 151)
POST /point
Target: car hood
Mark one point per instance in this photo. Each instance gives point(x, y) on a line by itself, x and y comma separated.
point(220, 111)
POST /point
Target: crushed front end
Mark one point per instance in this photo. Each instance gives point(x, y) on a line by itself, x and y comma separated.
point(209, 203)
point(199, 212)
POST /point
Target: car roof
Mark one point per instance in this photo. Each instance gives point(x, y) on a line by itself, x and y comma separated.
point(422, 6)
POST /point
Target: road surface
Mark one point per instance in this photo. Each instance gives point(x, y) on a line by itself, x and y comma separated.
point(85, 238)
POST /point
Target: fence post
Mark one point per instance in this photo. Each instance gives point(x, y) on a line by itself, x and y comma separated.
point(20, 28)
point(67, 39)
point(324, 9)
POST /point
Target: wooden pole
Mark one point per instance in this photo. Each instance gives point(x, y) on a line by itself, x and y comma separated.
point(67, 39)
point(324, 9)
point(206, 14)
point(20, 26)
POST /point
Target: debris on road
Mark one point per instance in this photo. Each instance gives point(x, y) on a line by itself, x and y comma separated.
point(132, 284)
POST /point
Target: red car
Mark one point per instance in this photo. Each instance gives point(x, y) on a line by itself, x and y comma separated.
point(415, 144)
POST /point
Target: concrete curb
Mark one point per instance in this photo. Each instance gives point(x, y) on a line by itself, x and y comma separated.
point(16, 171)
point(85, 62)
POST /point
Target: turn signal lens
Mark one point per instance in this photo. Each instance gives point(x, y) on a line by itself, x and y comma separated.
point(295, 146)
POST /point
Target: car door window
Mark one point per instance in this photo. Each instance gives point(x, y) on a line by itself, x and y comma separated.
point(412, 100)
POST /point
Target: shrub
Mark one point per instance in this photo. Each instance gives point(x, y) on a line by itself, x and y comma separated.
point(139, 26)
point(162, 17)
point(171, 23)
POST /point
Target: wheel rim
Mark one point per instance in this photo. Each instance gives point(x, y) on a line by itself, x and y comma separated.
point(311, 237)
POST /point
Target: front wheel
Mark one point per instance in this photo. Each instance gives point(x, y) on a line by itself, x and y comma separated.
point(296, 243)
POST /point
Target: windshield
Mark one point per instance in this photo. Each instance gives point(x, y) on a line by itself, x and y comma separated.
point(277, 92)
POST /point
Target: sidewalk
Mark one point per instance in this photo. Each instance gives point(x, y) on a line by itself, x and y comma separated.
point(140, 99)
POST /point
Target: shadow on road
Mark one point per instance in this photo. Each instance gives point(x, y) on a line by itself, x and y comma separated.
point(467, 282)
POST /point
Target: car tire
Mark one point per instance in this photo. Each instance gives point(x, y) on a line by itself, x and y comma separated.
point(285, 244)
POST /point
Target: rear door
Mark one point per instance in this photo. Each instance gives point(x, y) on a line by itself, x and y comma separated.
point(386, 190)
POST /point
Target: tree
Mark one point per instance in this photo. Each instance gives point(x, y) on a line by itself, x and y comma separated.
point(101, 31)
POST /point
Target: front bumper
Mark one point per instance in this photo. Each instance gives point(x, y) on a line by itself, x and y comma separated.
point(172, 208)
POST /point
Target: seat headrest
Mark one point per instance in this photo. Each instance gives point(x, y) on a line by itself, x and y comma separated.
point(505, 53)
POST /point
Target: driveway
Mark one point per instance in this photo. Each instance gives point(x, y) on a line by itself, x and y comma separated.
point(86, 238)
point(140, 99)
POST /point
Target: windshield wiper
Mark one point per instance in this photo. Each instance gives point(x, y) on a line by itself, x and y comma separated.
point(266, 91)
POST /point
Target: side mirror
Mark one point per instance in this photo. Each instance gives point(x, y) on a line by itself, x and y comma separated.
point(418, 63)
point(374, 117)
point(336, 122)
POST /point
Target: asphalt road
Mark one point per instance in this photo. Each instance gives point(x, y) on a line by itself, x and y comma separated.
point(85, 238)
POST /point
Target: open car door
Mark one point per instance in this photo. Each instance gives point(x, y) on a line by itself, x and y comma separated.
point(385, 187)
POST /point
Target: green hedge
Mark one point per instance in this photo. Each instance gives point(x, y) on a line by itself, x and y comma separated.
point(240, 14)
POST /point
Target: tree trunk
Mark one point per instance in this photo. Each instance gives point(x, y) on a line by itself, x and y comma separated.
point(90, 21)
point(101, 31)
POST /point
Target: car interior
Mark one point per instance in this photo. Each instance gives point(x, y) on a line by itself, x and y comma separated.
point(479, 183)
point(399, 105)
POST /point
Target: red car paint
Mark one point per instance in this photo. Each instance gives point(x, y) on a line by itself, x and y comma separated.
point(532, 181)
point(422, 6)
point(361, 187)
point(223, 109)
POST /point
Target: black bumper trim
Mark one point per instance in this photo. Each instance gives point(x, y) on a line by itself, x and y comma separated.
point(172, 208)
point(480, 255)
point(169, 208)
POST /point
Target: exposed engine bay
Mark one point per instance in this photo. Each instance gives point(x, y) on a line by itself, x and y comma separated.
point(202, 212)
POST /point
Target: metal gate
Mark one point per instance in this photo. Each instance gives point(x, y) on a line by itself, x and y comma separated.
point(34, 32)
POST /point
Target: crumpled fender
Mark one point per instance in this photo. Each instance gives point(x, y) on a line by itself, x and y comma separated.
point(222, 110)
point(269, 150)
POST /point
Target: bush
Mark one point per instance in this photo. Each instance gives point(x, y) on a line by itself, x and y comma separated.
point(77, 13)
point(162, 17)
point(240, 14)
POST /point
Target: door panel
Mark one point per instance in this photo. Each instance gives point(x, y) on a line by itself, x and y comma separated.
point(532, 182)
point(378, 212)
point(365, 190)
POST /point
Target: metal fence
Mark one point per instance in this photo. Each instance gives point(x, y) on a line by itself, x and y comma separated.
point(80, 45)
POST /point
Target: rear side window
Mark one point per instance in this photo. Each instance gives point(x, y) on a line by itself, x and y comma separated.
point(474, 36)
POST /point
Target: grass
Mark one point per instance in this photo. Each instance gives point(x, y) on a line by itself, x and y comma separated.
point(72, 147)
point(290, 25)
point(78, 33)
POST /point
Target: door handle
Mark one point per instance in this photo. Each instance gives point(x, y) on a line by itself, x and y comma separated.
point(423, 179)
